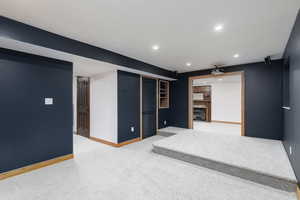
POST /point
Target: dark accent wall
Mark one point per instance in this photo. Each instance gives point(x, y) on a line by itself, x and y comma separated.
point(31, 131)
point(263, 102)
point(164, 114)
point(12, 29)
point(128, 106)
point(292, 117)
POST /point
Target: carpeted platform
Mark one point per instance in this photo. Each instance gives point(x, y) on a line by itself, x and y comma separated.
point(259, 160)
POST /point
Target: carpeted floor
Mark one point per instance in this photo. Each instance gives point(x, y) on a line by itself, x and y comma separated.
point(133, 172)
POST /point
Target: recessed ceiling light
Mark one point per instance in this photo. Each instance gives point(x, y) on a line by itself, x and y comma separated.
point(188, 64)
point(220, 79)
point(218, 27)
point(155, 47)
point(236, 55)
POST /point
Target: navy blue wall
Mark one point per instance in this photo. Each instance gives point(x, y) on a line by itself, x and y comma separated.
point(31, 131)
point(128, 106)
point(164, 114)
point(292, 117)
point(263, 99)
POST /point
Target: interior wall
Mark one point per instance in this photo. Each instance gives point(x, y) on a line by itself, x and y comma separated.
point(292, 117)
point(226, 101)
point(32, 131)
point(74, 104)
point(103, 106)
point(263, 98)
point(179, 102)
point(164, 117)
point(128, 106)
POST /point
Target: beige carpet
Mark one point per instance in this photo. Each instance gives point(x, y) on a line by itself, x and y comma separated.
point(100, 172)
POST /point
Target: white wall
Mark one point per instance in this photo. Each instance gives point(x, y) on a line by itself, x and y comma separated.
point(103, 107)
point(226, 100)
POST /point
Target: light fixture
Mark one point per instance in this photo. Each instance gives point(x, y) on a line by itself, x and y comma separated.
point(155, 47)
point(218, 27)
point(220, 79)
point(188, 64)
point(236, 55)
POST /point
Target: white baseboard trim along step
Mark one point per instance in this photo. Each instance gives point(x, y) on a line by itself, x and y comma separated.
point(259, 160)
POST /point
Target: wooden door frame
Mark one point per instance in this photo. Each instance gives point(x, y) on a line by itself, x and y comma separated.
point(190, 97)
point(141, 103)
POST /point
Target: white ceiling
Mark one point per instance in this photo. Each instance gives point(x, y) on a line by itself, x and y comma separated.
point(182, 29)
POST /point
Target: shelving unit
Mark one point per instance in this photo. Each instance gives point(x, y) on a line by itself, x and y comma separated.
point(202, 107)
point(163, 94)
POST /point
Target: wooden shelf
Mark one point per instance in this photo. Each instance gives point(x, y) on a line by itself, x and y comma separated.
point(202, 104)
point(163, 94)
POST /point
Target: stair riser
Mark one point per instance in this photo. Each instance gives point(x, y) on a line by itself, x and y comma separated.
point(250, 175)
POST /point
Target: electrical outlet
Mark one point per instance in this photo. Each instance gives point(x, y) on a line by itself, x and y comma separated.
point(48, 101)
point(132, 129)
point(291, 150)
point(165, 122)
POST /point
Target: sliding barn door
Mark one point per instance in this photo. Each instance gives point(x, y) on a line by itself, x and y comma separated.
point(83, 106)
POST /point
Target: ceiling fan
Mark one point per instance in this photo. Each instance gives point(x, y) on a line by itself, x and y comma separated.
point(217, 70)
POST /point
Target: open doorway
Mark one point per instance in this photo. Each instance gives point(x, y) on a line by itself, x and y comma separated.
point(83, 106)
point(216, 103)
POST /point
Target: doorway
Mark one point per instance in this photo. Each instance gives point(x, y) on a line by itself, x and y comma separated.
point(83, 106)
point(216, 103)
point(149, 107)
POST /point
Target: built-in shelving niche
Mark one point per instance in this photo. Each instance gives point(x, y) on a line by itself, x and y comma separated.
point(163, 94)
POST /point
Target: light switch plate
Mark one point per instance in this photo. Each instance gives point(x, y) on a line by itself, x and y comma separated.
point(48, 101)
